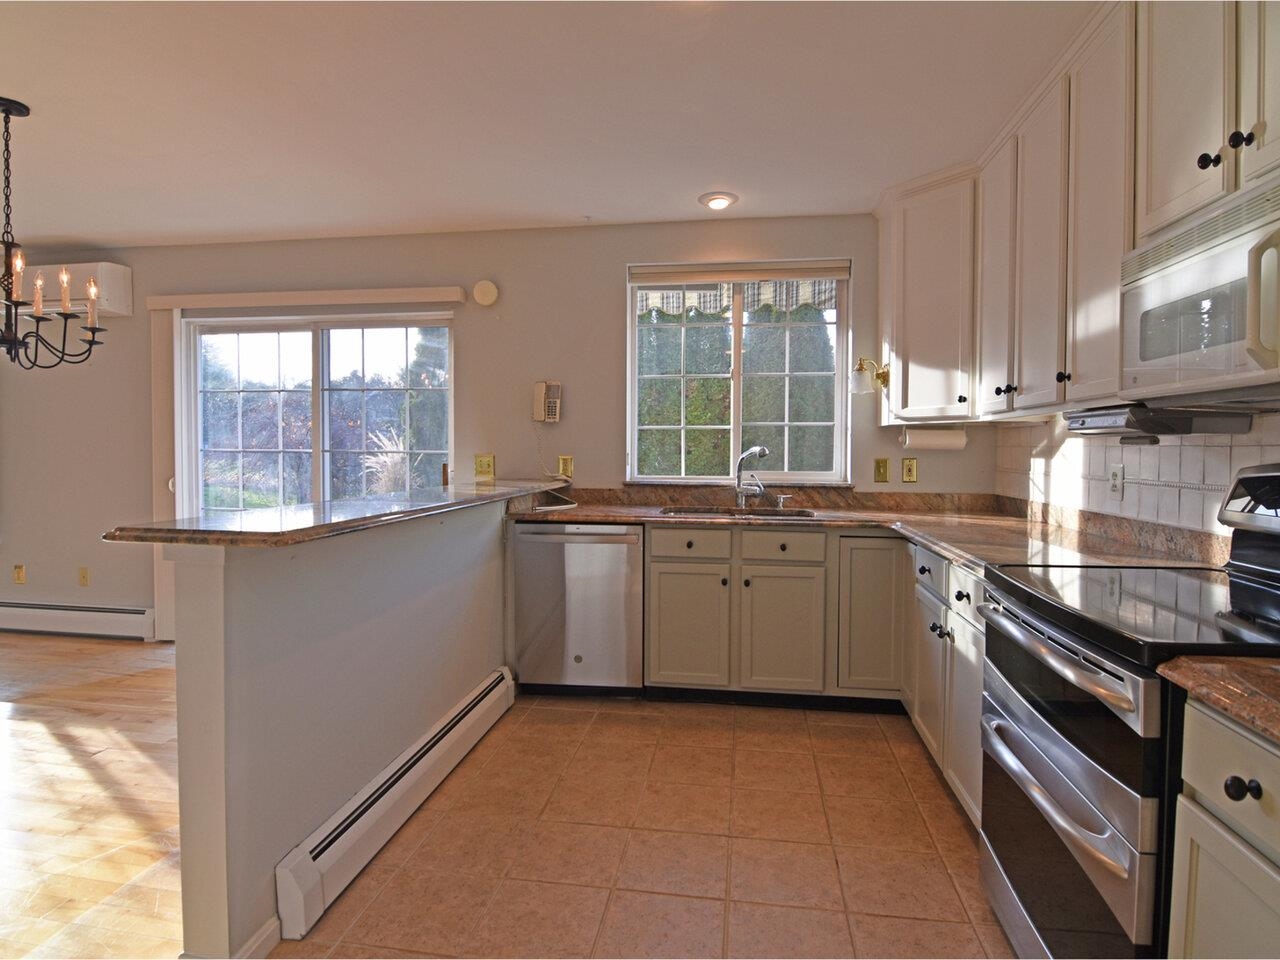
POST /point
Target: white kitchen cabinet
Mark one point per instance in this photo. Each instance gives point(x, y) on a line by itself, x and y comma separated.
point(1186, 108)
point(1099, 225)
point(931, 653)
point(1226, 896)
point(1258, 50)
point(1040, 262)
point(962, 733)
point(997, 207)
point(932, 313)
point(872, 586)
point(783, 627)
point(688, 629)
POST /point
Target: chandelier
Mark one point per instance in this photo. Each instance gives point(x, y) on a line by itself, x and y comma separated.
point(34, 348)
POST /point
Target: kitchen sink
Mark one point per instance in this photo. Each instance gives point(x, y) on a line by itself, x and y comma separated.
point(777, 513)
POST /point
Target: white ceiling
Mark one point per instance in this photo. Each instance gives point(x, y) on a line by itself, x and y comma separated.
point(170, 123)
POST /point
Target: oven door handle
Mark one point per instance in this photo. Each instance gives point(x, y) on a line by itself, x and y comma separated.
point(1260, 353)
point(1092, 845)
point(1077, 674)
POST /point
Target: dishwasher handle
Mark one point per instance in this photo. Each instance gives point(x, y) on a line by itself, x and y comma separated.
point(630, 539)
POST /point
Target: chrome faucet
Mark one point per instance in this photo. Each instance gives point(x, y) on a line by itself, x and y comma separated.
point(752, 487)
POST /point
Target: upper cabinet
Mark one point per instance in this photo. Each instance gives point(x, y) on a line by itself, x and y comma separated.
point(997, 206)
point(1040, 271)
point(1258, 61)
point(931, 300)
point(1186, 98)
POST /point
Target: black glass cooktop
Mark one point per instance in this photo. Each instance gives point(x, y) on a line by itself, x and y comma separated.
point(1150, 614)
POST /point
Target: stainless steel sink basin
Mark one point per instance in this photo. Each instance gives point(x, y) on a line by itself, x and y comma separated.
point(776, 513)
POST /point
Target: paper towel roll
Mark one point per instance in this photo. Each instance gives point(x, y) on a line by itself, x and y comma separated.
point(933, 438)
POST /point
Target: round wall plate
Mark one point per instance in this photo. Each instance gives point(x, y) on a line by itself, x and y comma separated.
point(485, 293)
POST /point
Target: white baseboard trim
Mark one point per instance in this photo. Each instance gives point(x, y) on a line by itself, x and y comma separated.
point(134, 622)
point(262, 942)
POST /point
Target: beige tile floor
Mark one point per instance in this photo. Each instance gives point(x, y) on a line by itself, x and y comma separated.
point(627, 829)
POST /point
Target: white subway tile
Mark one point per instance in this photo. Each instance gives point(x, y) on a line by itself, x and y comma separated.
point(1150, 463)
point(1170, 460)
point(1190, 509)
point(1242, 457)
point(1148, 501)
point(1167, 510)
point(1270, 454)
point(1192, 465)
point(1211, 504)
point(1217, 464)
point(1130, 459)
point(1217, 440)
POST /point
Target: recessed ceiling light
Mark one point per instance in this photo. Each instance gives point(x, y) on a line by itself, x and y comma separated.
point(718, 200)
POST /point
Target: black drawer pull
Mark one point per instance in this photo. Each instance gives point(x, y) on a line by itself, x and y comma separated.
point(1237, 789)
point(689, 545)
point(962, 596)
point(746, 583)
point(924, 571)
point(782, 547)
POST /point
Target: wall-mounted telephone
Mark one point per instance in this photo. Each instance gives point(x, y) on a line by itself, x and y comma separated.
point(546, 401)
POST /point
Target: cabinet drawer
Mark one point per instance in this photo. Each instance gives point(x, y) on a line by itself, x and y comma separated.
point(930, 569)
point(783, 545)
point(964, 593)
point(1214, 751)
point(684, 542)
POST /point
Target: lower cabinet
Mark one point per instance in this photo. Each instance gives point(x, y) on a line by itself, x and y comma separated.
point(689, 624)
point(931, 653)
point(873, 582)
point(783, 627)
point(1226, 896)
point(962, 751)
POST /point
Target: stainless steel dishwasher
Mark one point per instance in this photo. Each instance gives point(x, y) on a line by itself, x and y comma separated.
point(578, 595)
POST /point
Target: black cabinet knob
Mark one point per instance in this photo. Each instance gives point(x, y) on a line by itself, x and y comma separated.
point(782, 547)
point(1237, 788)
point(923, 571)
point(961, 596)
point(1240, 139)
point(724, 581)
point(962, 399)
point(999, 391)
point(1010, 388)
point(689, 545)
point(746, 583)
point(1205, 161)
point(1062, 376)
point(935, 628)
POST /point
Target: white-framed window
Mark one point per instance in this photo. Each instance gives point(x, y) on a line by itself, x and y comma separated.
point(285, 411)
point(724, 358)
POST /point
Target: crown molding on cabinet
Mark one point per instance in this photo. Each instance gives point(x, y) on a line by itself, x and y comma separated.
point(901, 191)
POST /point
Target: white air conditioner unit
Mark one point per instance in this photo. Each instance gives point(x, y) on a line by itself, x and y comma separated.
point(115, 288)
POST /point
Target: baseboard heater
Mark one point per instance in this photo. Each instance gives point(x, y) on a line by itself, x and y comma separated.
point(316, 871)
point(133, 622)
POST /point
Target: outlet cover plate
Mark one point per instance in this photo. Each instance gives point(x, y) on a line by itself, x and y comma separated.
point(565, 466)
point(882, 470)
point(484, 467)
point(910, 470)
point(1115, 481)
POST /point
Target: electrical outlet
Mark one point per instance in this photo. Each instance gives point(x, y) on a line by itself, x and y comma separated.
point(83, 578)
point(484, 467)
point(910, 470)
point(882, 470)
point(565, 467)
point(1115, 481)
point(19, 573)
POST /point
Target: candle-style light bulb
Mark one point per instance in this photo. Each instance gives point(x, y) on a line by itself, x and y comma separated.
point(37, 306)
point(92, 289)
point(64, 278)
point(19, 264)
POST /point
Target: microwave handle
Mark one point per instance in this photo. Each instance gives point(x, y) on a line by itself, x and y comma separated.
point(1264, 356)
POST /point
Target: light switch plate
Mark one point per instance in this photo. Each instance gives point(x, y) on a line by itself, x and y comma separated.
point(1115, 481)
point(484, 467)
point(910, 472)
point(882, 470)
point(565, 467)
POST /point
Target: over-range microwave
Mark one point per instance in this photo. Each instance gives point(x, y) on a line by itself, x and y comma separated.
point(1208, 324)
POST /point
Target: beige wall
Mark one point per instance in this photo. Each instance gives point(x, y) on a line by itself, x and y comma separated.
point(78, 442)
point(1181, 481)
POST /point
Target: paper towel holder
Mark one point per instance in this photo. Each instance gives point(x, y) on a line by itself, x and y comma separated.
point(879, 374)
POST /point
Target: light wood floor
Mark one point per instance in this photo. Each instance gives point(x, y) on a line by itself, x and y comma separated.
point(88, 799)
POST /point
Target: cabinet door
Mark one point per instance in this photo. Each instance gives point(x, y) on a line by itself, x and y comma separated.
point(931, 674)
point(871, 590)
point(783, 627)
point(1098, 227)
point(688, 624)
point(963, 767)
point(997, 204)
point(1259, 75)
point(1226, 896)
point(933, 301)
point(1186, 89)
point(1041, 263)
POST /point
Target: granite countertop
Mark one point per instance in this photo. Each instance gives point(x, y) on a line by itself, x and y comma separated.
point(969, 539)
point(1246, 689)
point(285, 526)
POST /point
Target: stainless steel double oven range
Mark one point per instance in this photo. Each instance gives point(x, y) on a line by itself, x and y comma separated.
point(1082, 738)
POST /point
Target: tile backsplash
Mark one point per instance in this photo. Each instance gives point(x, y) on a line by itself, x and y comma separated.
point(1180, 481)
